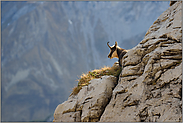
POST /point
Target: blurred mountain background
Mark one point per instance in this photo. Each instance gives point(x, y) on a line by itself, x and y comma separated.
point(46, 46)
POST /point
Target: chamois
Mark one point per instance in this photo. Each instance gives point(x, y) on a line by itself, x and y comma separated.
point(116, 52)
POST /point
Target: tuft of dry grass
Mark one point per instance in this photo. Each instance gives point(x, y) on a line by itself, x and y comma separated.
point(85, 78)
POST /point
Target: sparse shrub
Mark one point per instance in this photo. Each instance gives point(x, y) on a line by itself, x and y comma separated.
point(84, 80)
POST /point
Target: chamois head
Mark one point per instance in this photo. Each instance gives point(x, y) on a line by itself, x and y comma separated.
point(113, 51)
point(116, 52)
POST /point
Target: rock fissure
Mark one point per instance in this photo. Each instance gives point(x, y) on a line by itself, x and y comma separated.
point(105, 107)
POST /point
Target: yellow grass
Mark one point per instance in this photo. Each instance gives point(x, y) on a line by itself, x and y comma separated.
point(84, 80)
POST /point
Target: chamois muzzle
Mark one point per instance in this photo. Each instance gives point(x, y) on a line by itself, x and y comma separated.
point(108, 56)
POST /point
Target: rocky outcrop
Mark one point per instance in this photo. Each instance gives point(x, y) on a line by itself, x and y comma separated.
point(150, 84)
point(89, 103)
point(149, 87)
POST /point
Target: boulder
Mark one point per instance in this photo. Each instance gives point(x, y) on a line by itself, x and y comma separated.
point(89, 103)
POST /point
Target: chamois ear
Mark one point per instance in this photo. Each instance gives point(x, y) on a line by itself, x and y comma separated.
point(116, 44)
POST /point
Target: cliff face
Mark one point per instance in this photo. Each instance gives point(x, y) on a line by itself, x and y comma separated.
point(47, 45)
point(150, 84)
point(89, 103)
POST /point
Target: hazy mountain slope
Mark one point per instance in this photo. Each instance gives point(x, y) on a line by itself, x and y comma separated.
point(47, 45)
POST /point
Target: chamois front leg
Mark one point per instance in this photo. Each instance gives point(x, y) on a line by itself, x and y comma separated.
point(120, 57)
point(119, 60)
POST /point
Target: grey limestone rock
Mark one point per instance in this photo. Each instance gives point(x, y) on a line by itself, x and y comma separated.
point(150, 85)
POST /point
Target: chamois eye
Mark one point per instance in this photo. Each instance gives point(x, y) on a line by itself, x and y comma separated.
point(113, 49)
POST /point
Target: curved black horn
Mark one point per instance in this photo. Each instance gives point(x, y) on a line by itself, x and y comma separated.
point(108, 45)
point(116, 44)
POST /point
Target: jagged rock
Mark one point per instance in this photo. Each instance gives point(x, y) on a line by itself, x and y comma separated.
point(89, 103)
point(172, 2)
point(150, 85)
